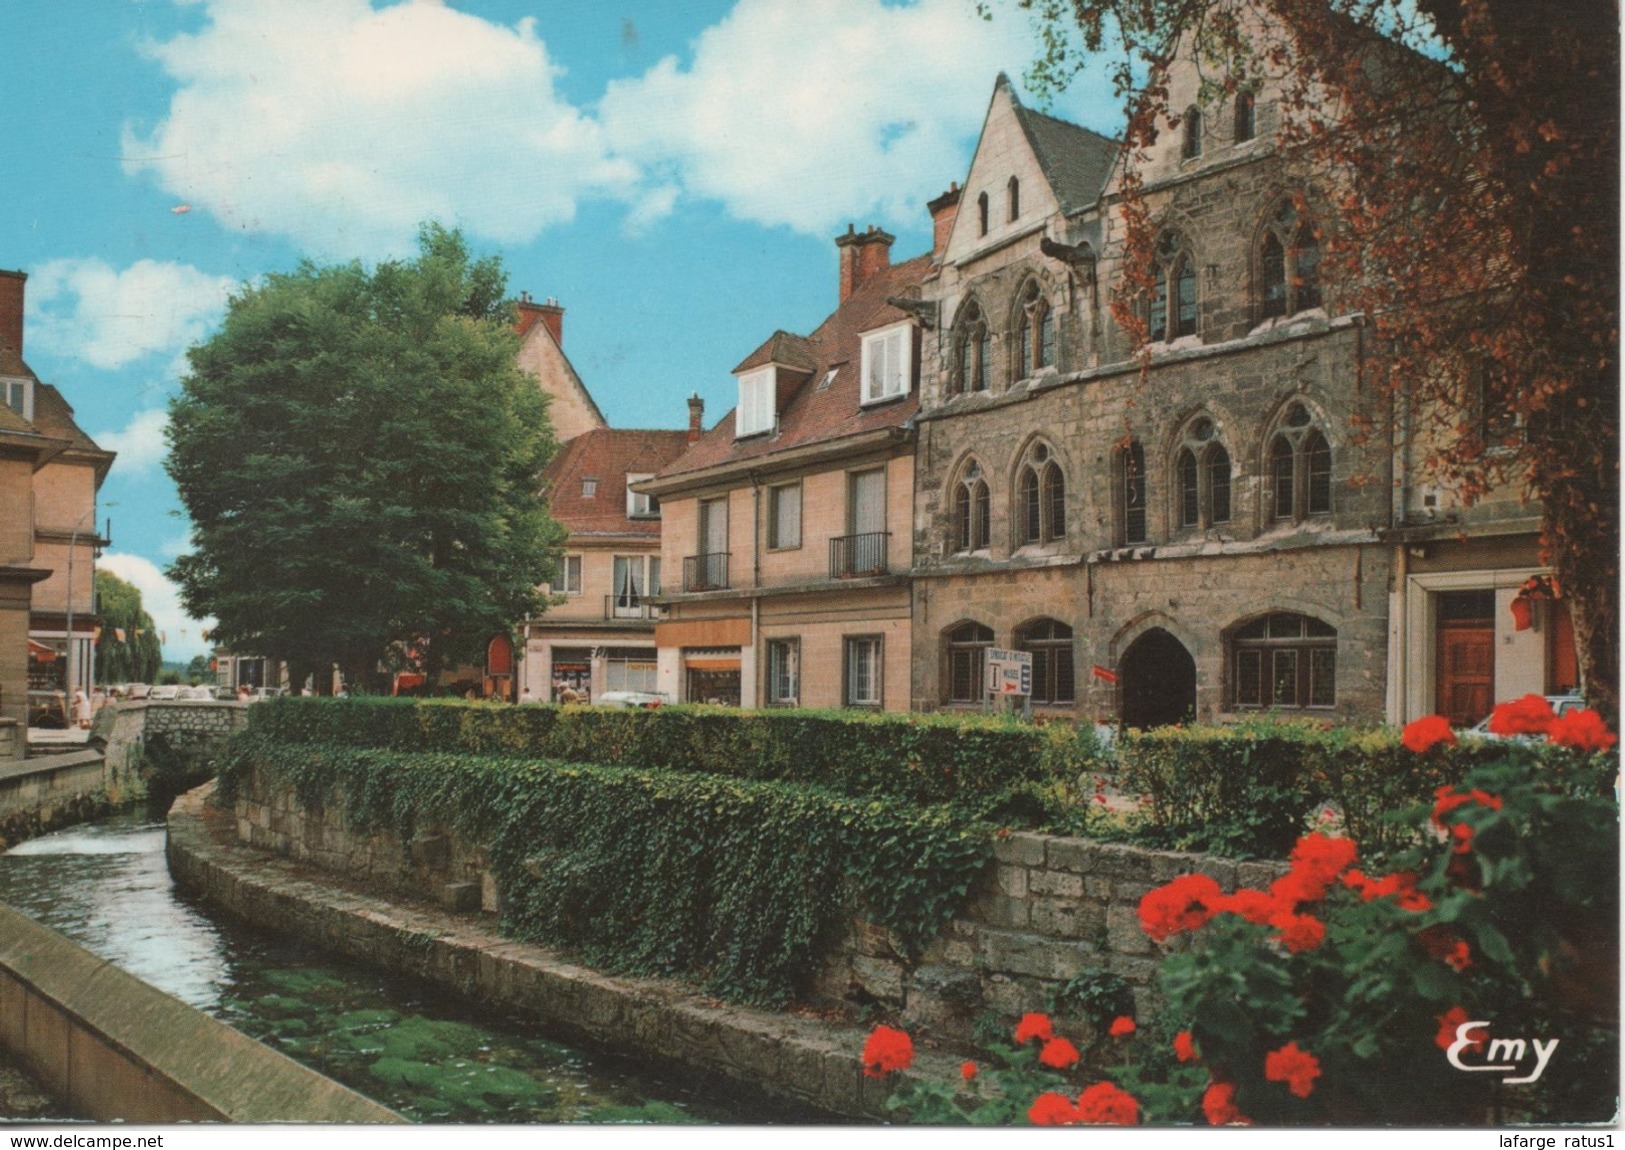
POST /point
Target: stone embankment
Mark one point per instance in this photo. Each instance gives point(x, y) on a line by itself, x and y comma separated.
point(1050, 910)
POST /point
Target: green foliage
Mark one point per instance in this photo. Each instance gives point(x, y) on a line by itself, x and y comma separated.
point(137, 657)
point(1533, 901)
point(731, 882)
point(1003, 771)
point(1095, 997)
point(359, 455)
point(1245, 790)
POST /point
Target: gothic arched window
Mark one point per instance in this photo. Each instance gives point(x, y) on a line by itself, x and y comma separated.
point(1191, 147)
point(1288, 264)
point(971, 528)
point(1040, 498)
point(1202, 471)
point(973, 352)
point(1034, 324)
point(1299, 468)
point(1175, 270)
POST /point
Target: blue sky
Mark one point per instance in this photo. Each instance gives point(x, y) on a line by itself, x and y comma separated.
point(672, 171)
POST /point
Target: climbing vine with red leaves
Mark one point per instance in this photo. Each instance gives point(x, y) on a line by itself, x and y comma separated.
point(1463, 154)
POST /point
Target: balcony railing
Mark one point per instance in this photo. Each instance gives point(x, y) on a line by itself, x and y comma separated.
point(631, 607)
point(706, 572)
point(854, 556)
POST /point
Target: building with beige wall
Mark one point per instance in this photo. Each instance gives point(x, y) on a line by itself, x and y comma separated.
point(786, 538)
point(50, 472)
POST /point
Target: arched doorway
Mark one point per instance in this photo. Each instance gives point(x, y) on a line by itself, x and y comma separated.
point(1159, 681)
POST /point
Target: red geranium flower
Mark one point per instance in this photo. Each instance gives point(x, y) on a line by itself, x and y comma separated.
point(1185, 1046)
point(1582, 730)
point(888, 1049)
point(1442, 944)
point(1034, 1026)
point(1104, 1104)
point(1461, 836)
point(1059, 1054)
point(1122, 1026)
point(1428, 732)
point(1253, 905)
point(967, 1071)
point(1300, 932)
point(1447, 800)
point(1530, 715)
point(1184, 904)
point(1317, 860)
point(1449, 1021)
point(1219, 1104)
point(1051, 1109)
point(1297, 1068)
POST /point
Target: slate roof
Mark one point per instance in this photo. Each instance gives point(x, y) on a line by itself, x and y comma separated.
point(813, 413)
point(784, 348)
point(608, 455)
point(1076, 162)
point(53, 416)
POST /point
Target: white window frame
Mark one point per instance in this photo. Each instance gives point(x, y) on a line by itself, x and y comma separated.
point(858, 649)
point(565, 565)
point(638, 504)
point(755, 413)
point(26, 386)
point(783, 687)
point(777, 538)
point(888, 362)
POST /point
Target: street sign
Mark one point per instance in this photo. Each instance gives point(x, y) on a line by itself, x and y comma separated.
point(1009, 672)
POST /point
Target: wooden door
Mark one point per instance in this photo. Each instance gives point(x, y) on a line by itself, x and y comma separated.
point(1466, 673)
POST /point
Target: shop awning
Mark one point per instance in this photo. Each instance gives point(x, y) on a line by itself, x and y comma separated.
point(712, 664)
point(40, 653)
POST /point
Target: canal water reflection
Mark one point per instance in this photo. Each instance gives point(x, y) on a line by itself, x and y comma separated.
point(430, 1057)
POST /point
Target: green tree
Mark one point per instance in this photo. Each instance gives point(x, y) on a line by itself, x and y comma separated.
point(127, 650)
point(360, 456)
point(198, 669)
point(1468, 150)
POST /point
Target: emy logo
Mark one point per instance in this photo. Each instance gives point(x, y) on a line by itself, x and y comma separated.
point(1501, 1055)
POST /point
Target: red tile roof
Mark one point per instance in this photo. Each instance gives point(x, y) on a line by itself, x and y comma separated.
point(607, 455)
point(814, 413)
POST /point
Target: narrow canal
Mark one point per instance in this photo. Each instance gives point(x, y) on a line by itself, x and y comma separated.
point(430, 1057)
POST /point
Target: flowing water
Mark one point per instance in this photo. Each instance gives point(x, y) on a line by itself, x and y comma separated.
point(429, 1056)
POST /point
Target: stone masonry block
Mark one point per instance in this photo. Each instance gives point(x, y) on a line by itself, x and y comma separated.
point(1014, 952)
point(1123, 933)
point(1073, 855)
point(1012, 881)
point(1000, 910)
point(878, 978)
point(1021, 849)
point(1221, 871)
point(1056, 883)
point(1097, 887)
point(1258, 875)
point(1014, 996)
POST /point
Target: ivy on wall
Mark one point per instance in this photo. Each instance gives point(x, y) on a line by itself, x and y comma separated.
point(733, 883)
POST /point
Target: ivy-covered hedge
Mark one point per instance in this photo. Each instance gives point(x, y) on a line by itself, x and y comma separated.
point(1245, 790)
point(734, 883)
point(921, 758)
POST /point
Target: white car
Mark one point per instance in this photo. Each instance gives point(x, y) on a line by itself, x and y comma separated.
point(164, 691)
point(1560, 704)
point(639, 700)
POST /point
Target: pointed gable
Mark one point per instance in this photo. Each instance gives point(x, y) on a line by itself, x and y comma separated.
point(1057, 167)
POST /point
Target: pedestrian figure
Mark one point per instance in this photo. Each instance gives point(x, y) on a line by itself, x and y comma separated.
point(81, 707)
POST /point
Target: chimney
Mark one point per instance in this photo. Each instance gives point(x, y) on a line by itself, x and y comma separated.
point(862, 255)
point(549, 313)
point(696, 417)
point(944, 210)
point(11, 309)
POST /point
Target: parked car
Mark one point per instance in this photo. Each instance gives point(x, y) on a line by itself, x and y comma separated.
point(136, 690)
point(269, 693)
point(198, 693)
point(164, 691)
point(48, 709)
point(640, 700)
point(223, 695)
point(1560, 704)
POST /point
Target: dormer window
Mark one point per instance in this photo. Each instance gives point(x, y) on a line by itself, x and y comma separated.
point(589, 489)
point(756, 412)
point(888, 363)
point(639, 505)
point(18, 396)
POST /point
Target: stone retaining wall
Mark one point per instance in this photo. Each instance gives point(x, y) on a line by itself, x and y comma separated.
point(193, 728)
point(39, 795)
point(115, 1049)
point(1049, 910)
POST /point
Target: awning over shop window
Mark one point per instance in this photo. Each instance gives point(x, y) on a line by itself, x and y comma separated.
point(712, 664)
point(41, 653)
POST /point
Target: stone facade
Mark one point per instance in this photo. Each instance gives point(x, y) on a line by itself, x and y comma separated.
point(1210, 527)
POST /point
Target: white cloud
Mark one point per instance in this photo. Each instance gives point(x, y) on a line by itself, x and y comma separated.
point(183, 635)
point(344, 126)
point(812, 115)
point(140, 445)
point(87, 309)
